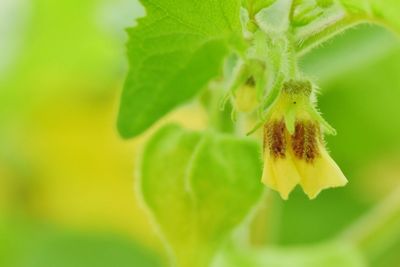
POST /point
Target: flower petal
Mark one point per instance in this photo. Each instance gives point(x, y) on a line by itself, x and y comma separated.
point(280, 174)
point(320, 174)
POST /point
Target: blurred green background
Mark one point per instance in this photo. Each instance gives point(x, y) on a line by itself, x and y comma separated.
point(67, 193)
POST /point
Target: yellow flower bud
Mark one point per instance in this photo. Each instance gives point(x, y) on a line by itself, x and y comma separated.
point(246, 98)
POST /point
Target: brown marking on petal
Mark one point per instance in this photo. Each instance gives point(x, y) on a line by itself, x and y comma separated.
point(313, 134)
point(305, 141)
point(298, 140)
point(274, 139)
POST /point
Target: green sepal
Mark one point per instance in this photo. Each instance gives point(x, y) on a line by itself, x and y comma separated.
point(239, 78)
point(318, 117)
point(268, 102)
point(290, 119)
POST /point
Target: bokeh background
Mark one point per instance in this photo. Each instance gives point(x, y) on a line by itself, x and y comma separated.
point(67, 193)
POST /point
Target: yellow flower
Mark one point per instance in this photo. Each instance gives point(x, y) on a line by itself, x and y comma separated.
point(294, 150)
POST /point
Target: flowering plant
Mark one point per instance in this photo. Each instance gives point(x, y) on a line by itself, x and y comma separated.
point(240, 60)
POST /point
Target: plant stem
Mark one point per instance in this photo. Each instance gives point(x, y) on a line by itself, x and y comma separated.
point(316, 33)
point(378, 230)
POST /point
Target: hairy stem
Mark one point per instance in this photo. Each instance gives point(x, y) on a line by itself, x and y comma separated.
point(315, 34)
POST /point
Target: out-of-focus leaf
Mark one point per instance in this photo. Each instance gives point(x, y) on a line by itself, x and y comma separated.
point(33, 245)
point(362, 104)
point(173, 53)
point(53, 48)
point(325, 255)
point(198, 187)
point(388, 259)
point(335, 59)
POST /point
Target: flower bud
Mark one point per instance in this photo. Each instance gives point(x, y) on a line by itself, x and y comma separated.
point(246, 97)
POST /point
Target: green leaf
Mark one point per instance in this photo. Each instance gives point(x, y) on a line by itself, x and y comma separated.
point(198, 188)
point(173, 53)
